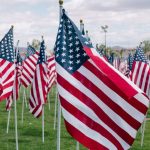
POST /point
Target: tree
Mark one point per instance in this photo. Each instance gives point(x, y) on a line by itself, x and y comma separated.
point(36, 44)
point(146, 46)
point(121, 53)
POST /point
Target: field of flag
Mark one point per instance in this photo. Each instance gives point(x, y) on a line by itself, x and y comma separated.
point(30, 131)
point(79, 94)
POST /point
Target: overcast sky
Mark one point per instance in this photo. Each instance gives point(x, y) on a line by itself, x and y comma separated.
point(128, 20)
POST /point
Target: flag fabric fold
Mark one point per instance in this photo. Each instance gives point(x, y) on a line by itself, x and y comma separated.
point(140, 73)
point(38, 93)
point(17, 82)
point(101, 107)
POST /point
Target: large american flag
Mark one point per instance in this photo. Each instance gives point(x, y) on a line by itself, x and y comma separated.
point(17, 82)
point(29, 66)
point(101, 107)
point(51, 72)
point(140, 73)
point(7, 65)
point(38, 93)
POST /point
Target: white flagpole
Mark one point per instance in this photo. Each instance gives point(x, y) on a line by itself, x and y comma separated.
point(58, 125)
point(15, 107)
point(23, 101)
point(55, 109)
point(143, 131)
point(81, 25)
point(43, 124)
point(59, 107)
point(16, 129)
point(8, 121)
point(25, 98)
point(49, 105)
point(77, 146)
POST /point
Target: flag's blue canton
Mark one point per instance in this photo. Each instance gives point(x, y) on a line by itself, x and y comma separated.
point(69, 51)
point(130, 61)
point(42, 57)
point(6, 47)
point(140, 56)
point(111, 58)
point(30, 51)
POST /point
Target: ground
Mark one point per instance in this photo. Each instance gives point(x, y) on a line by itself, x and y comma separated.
point(30, 131)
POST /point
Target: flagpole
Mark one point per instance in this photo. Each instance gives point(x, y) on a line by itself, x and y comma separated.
point(15, 107)
point(43, 124)
point(58, 124)
point(143, 131)
point(8, 121)
point(59, 107)
point(25, 99)
point(22, 110)
point(49, 105)
point(77, 146)
point(43, 109)
point(81, 25)
point(55, 111)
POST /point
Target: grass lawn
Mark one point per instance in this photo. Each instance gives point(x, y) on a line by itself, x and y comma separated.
point(30, 131)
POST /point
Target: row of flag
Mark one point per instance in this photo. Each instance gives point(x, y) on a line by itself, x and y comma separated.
point(16, 72)
point(102, 108)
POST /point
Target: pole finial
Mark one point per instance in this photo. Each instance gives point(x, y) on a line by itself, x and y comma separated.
point(81, 21)
point(61, 2)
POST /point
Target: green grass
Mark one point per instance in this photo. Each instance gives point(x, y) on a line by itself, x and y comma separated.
point(30, 132)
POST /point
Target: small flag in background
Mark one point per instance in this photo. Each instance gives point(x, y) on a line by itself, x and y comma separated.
point(129, 65)
point(29, 66)
point(17, 82)
point(116, 63)
point(30, 51)
point(111, 58)
point(7, 65)
point(38, 93)
point(123, 67)
point(140, 73)
point(101, 107)
point(130, 61)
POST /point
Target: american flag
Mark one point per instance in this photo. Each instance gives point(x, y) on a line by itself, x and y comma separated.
point(29, 66)
point(116, 63)
point(101, 107)
point(129, 65)
point(38, 93)
point(51, 72)
point(123, 67)
point(7, 65)
point(140, 73)
point(111, 58)
point(17, 82)
point(30, 51)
